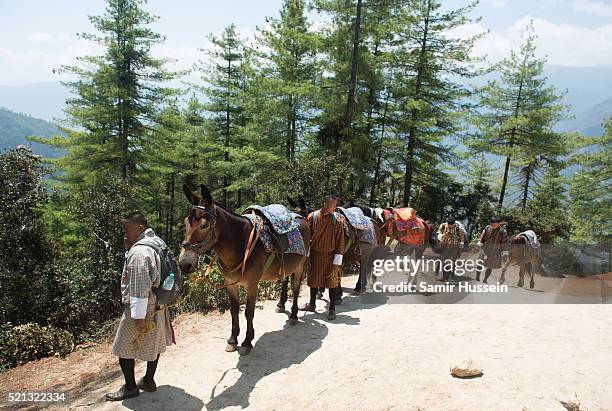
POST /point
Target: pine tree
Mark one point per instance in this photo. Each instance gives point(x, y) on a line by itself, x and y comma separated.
point(118, 97)
point(591, 188)
point(518, 115)
point(224, 78)
point(430, 100)
point(289, 74)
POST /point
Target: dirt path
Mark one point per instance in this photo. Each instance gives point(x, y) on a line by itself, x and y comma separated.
point(373, 357)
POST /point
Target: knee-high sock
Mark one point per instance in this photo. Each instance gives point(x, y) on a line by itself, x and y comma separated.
point(333, 293)
point(127, 367)
point(313, 295)
point(151, 367)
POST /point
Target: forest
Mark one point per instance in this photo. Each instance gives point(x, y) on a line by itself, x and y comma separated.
point(372, 100)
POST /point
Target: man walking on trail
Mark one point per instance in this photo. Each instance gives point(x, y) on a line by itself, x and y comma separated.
point(451, 241)
point(493, 241)
point(326, 250)
point(145, 329)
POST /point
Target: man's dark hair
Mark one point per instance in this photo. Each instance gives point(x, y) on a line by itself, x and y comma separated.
point(136, 218)
point(330, 197)
point(450, 219)
point(495, 220)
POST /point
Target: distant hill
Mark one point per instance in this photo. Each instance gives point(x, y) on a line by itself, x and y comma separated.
point(15, 127)
point(44, 100)
point(590, 122)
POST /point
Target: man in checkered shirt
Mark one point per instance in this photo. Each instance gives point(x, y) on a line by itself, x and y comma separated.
point(145, 329)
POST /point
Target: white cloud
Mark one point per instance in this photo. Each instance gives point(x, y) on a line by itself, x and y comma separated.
point(563, 44)
point(48, 37)
point(599, 8)
point(498, 3)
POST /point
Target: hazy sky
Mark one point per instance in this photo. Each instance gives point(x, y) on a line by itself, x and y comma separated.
point(38, 35)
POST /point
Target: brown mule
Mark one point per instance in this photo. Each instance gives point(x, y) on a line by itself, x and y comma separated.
point(210, 226)
point(526, 257)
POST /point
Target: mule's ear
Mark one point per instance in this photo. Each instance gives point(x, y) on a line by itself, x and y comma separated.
point(291, 202)
point(191, 197)
point(302, 202)
point(206, 196)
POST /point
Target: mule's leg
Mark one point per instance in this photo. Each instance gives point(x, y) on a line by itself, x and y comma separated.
point(232, 342)
point(503, 274)
point(521, 275)
point(280, 307)
point(531, 270)
point(488, 274)
point(297, 283)
point(249, 313)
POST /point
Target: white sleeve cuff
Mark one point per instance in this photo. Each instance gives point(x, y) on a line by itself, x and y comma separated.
point(138, 307)
point(337, 259)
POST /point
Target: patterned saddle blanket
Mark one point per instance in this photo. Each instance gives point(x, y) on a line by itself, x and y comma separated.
point(362, 224)
point(280, 217)
point(405, 219)
point(280, 231)
point(532, 238)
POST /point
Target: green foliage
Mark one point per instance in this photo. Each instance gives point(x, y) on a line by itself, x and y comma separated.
point(23, 249)
point(314, 175)
point(203, 295)
point(518, 115)
point(32, 341)
point(118, 97)
point(591, 188)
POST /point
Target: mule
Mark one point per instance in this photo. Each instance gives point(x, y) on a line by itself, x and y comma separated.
point(405, 248)
point(528, 259)
point(211, 226)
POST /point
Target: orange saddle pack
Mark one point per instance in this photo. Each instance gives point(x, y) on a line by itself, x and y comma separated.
point(411, 228)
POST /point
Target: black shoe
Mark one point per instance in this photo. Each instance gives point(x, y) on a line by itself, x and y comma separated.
point(122, 394)
point(145, 385)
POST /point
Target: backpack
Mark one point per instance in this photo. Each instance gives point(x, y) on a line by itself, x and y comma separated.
point(167, 266)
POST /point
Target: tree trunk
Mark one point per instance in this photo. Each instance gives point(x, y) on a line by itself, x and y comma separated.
point(414, 116)
point(530, 168)
point(517, 107)
point(350, 104)
point(172, 188)
point(380, 150)
point(505, 180)
point(227, 130)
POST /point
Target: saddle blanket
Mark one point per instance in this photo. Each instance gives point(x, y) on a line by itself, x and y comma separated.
point(278, 215)
point(362, 224)
point(405, 219)
point(355, 217)
point(295, 242)
point(532, 238)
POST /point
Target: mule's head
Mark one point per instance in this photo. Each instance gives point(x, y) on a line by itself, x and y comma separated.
point(300, 206)
point(200, 234)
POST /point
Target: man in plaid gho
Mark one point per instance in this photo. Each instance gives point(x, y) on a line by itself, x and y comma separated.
point(144, 330)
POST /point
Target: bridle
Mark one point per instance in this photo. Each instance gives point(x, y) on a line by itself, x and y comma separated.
point(202, 246)
point(211, 239)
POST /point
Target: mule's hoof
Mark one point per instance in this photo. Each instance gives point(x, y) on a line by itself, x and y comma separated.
point(332, 315)
point(231, 347)
point(531, 285)
point(244, 350)
point(279, 309)
point(293, 321)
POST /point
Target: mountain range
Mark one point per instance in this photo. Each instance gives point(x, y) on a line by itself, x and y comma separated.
point(588, 94)
point(15, 127)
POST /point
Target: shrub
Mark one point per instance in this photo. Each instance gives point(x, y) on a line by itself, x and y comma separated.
point(204, 296)
point(32, 341)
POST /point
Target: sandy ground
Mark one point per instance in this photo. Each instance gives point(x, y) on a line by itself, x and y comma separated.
point(372, 357)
